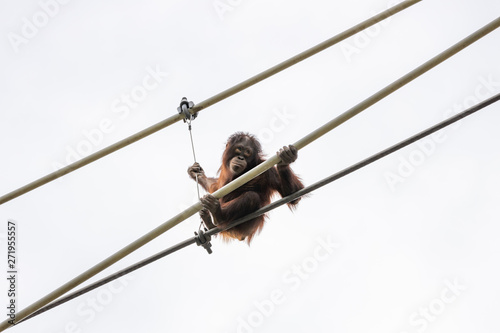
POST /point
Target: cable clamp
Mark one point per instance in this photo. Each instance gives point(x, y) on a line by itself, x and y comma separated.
point(184, 110)
point(203, 240)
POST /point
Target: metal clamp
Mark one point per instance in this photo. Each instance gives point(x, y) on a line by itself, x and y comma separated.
point(203, 240)
point(184, 110)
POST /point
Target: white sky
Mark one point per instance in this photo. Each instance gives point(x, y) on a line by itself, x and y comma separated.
point(420, 254)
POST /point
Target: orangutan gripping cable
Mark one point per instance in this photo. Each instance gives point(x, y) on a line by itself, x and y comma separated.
point(243, 152)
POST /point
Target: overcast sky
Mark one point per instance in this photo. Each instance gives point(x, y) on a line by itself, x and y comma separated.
point(408, 244)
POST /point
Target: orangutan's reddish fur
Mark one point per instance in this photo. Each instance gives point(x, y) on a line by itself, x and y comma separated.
point(254, 194)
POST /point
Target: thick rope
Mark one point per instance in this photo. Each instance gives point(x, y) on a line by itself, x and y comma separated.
point(271, 206)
